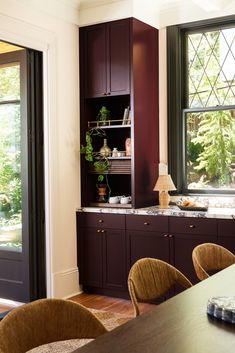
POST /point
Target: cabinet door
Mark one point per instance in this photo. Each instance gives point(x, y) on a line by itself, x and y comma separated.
point(147, 244)
point(94, 62)
point(90, 259)
point(118, 62)
point(186, 234)
point(114, 259)
point(226, 233)
point(183, 247)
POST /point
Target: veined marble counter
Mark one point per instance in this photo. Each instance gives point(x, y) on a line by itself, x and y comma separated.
point(224, 213)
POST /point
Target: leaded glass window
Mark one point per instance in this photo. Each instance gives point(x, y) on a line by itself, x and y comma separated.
point(209, 111)
point(211, 68)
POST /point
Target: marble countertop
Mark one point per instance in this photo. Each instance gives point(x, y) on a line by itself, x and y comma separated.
point(212, 212)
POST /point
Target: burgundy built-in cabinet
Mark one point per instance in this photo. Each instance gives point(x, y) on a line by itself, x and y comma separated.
point(107, 59)
point(102, 251)
point(109, 244)
point(119, 68)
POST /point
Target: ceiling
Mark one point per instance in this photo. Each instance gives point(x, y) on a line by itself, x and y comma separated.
point(6, 47)
point(209, 5)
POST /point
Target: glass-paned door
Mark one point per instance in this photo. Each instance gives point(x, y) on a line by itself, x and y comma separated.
point(10, 158)
point(14, 182)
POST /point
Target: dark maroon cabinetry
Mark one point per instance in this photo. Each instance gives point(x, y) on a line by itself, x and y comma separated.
point(147, 236)
point(109, 244)
point(107, 57)
point(119, 69)
point(102, 251)
point(226, 233)
point(186, 233)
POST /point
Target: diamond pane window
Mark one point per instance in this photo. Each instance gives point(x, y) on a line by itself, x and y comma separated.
point(211, 68)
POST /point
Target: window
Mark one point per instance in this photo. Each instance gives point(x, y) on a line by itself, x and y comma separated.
point(201, 106)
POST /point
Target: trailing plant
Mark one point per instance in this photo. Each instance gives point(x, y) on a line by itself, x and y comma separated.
point(88, 149)
point(99, 162)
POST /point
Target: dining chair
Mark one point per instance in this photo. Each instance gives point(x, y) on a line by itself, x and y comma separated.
point(149, 279)
point(209, 258)
point(47, 321)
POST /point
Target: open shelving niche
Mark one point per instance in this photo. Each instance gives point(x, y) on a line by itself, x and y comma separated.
point(119, 166)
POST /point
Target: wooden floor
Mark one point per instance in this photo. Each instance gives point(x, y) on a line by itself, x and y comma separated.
point(116, 305)
point(99, 302)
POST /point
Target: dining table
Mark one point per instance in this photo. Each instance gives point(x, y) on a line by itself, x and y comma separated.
point(178, 325)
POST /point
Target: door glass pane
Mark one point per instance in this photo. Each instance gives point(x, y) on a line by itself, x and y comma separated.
point(9, 82)
point(10, 160)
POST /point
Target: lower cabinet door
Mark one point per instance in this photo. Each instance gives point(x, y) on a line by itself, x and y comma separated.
point(183, 247)
point(147, 244)
point(90, 261)
point(226, 233)
point(114, 260)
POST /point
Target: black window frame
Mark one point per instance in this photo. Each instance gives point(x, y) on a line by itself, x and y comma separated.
point(176, 98)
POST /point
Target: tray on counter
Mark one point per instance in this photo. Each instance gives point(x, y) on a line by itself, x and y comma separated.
point(185, 208)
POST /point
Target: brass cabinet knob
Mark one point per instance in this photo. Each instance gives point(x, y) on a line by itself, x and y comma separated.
point(192, 226)
point(102, 231)
point(170, 235)
point(146, 223)
point(98, 231)
point(101, 221)
point(165, 235)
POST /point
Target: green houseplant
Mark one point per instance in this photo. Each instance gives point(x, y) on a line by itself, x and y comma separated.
point(99, 163)
point(103, 116)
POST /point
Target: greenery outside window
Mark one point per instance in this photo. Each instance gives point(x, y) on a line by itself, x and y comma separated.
point(201, 106)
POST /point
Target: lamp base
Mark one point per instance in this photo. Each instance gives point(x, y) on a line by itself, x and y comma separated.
point(164, 199)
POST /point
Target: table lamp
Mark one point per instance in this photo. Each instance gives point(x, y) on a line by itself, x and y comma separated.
point(163, 185)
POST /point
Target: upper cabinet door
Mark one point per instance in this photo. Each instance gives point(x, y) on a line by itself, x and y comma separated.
point(118, 63)
point(94, 64)
point(105, 60)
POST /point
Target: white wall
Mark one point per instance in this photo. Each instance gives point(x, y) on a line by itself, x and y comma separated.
point(58, 39)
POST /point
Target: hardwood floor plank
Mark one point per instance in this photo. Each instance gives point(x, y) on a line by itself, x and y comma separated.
point(117, 305)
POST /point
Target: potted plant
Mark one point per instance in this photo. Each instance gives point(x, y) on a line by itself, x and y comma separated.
point(103, 116)
point(99, 163)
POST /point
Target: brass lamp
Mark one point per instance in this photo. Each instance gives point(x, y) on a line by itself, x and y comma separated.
point(163, 185)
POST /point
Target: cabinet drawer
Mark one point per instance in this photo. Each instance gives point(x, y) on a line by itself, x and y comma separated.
point(192, 225)
point(226, 227)
point(101, 220)
point(148, 223)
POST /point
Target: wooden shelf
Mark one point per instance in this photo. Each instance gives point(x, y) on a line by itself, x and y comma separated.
point(109, 124)
point(110, 205)
point(120, 165)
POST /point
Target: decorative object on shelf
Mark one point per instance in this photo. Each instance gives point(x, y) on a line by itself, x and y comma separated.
point(125, 199)
point(128, 146)
point(125, 119)
point(103, 115)
point(114, 199)
point(105, 151)
point(115, 152)
point(101, 189)
point(163, 185)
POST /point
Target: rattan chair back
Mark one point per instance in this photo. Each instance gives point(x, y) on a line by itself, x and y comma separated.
point(44, 321)
point(209, 258)
point(150, 279)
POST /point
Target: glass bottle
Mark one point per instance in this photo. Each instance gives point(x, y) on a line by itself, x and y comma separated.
point(105, 150)
point(115, 152)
